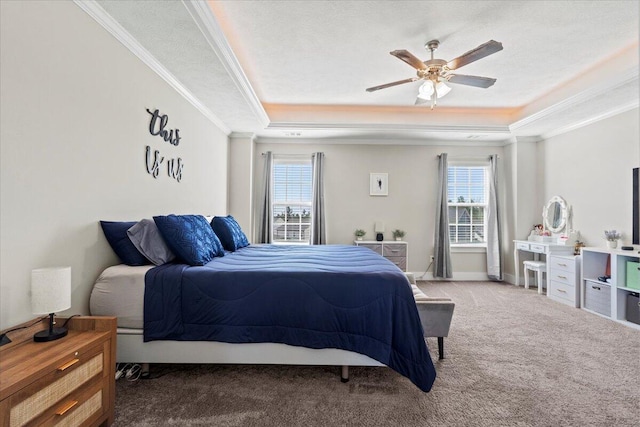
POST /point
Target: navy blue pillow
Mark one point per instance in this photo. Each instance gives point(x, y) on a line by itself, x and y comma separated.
point(190, 237)
point(229, 232)
point(116, 234)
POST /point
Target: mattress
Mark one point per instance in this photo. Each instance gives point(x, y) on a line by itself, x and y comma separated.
point(119, 291)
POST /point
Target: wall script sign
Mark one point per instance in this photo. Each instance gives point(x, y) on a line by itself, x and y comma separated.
point(158, 126)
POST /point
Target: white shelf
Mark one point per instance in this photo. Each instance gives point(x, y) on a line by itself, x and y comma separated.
point(594, 265)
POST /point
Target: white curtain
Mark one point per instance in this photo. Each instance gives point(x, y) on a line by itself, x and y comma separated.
point(494, 224)
point(264, 226)
point(442, 251)
point(318, 230)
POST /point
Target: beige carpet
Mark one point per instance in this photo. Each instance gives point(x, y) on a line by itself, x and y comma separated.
point(513, 358)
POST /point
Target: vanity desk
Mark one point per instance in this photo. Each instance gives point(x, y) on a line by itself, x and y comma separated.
point(560, 273)
point(537, 248)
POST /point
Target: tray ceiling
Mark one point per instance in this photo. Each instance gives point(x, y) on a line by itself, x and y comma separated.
point(299, 69)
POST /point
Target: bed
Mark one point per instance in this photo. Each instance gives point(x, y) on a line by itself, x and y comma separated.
point(315, 305)
point(214, 298)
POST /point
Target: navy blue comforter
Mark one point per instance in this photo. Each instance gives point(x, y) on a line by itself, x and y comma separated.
point(328, 296)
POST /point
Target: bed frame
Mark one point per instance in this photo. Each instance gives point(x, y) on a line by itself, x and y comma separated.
point(435, 316)
point(131, 348)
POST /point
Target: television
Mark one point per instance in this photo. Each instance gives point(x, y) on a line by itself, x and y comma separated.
point(636, 206)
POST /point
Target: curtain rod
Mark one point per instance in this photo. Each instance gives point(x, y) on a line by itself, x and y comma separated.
point(467, 157)
point(290, 156)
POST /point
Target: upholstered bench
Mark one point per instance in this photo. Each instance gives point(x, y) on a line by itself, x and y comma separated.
point(435, 314)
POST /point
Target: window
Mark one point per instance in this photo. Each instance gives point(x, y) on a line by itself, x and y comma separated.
point(467, 188)
point(291, 202)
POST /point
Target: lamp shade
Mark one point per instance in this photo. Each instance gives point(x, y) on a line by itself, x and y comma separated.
point(426, 90)
point(379, 227)
point(442, 89)
point(50, 290)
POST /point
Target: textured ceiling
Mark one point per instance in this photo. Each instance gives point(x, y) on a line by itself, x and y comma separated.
point(300, 68)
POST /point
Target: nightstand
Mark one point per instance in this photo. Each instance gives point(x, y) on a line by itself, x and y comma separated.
point(67, 382)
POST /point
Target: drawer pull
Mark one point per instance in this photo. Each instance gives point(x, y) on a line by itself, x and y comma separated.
point(66, 407)
point(562, 265)
point(562, 290)
point(395, 250)
point(68, 364)
point(597, 288)
point(562, 277)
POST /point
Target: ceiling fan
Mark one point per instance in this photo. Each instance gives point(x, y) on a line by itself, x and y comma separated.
point(436, 72)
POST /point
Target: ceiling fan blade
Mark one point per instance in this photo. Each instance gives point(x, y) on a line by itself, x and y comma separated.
point(480, 52)
point(399, 82)
point(477, 81)
point(409, 58)
point(421, 101)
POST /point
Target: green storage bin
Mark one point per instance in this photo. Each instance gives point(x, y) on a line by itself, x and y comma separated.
point(633, 275)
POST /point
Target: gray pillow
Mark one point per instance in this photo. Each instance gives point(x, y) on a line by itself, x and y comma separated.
point(147, 239)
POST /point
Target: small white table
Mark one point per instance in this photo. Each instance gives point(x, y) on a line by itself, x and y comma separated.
point(537, 248)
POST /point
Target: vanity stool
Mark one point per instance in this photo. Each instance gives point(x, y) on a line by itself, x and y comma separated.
point(538, 268)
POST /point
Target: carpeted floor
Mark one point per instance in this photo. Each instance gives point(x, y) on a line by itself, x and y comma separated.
point(513, 358)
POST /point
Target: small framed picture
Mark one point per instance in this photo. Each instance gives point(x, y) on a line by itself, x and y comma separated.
point(378, 184)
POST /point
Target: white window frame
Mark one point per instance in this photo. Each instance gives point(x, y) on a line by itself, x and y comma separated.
point(470, 164)
point(304, 204)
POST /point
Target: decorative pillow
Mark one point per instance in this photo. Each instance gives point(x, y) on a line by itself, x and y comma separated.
point(116, 234)
point(147, 239)
point(190, 237)
point(229, 232)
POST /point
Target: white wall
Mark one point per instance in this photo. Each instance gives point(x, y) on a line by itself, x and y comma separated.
point(241, 182)
point(73, 136)
point(591, 169)
point(410, 205)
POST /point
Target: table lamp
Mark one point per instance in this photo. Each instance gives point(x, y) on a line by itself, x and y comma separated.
point(50, 292)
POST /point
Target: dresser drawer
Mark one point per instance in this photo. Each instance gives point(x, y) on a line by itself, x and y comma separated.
point(78, 408)
point(540, 249)
point(58, 388)
point(377, 248)
point(394, 250)
point(558, 263)
point(563, 276)
point(563, 292)
point(522, 246)
point(401, 262)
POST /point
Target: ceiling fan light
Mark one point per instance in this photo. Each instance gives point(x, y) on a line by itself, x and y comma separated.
point(426, 90)
point(442, 89)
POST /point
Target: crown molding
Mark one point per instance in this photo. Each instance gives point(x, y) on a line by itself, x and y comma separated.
point(94, 10)
point(381, 140)
point(390, 127)
point(610, 113)
point(208, 25)
point(595, 91)
point(242, 135)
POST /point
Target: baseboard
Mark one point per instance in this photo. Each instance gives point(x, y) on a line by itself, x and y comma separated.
point(460, 276)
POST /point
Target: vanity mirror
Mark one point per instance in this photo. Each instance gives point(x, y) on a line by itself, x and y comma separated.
point(555, 214)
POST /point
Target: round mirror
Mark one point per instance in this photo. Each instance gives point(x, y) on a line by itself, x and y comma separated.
point(555, 214)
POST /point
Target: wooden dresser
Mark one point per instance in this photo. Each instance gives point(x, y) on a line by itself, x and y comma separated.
point(67, 382)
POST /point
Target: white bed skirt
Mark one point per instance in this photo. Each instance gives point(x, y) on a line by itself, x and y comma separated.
point(132, 349)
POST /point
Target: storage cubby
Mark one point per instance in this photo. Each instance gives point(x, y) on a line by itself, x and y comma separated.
point(607, 299)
